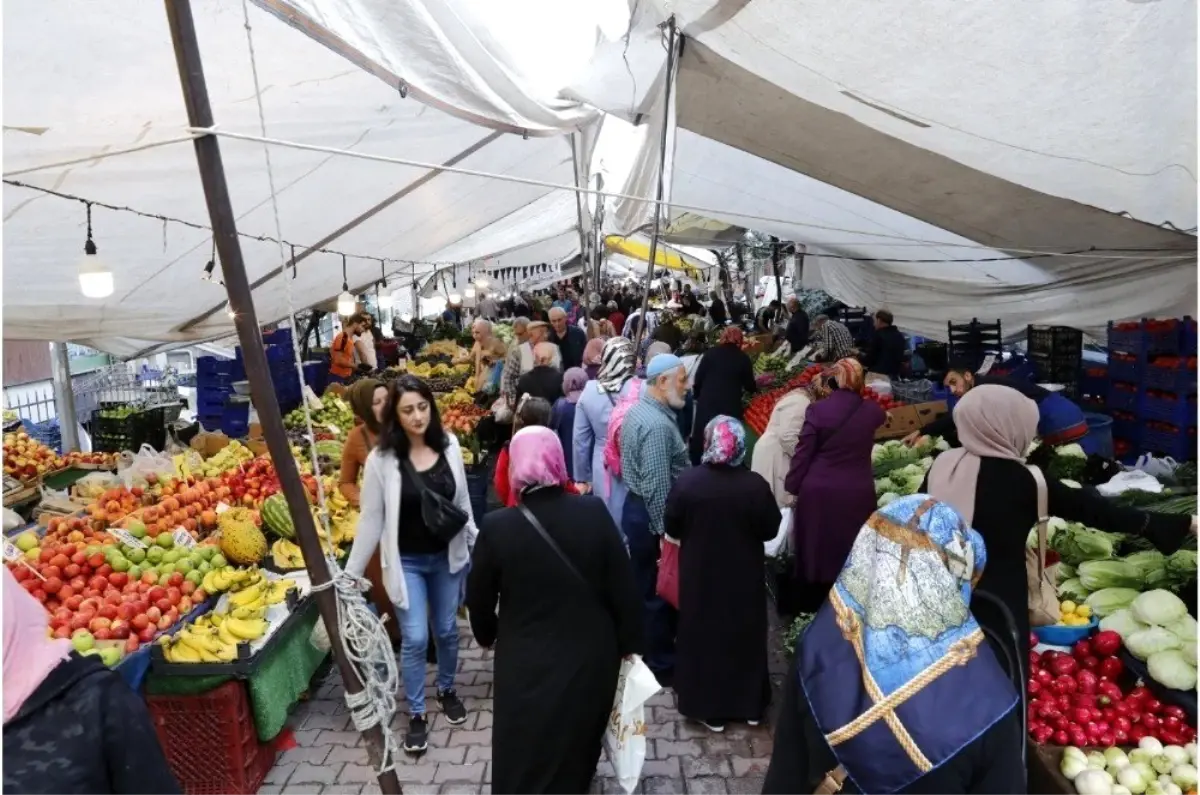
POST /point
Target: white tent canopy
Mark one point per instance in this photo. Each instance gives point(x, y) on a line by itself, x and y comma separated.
point(75, 88)
point(890, 140)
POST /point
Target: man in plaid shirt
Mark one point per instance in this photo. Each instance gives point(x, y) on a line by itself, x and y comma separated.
point(652, 455)
point(832, 339)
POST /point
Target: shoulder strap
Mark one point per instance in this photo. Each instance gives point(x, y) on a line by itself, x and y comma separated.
point(1043, 508)
point(413, 473)
point(832, 783)
point(541, 530)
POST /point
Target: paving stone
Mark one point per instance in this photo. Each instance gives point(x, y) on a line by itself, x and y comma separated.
point(658, 785)
point(665, 731)
point(481, 737)
point(270, 789)
point(474, 691)
point(762, 746)
point(715, 745)
point(706, 785)
point(357, 755)
point(437, 755)
point(748, 785)
point(313, 755)
point(483, 719)
point(749, 767)
point(665, 714)
point(664, 768)
point(465, 773)
point(280, 773)
point(461, 789)
point(339, 738)
point(664, 749)
point(705, 766)
point(319, 720)
point(356, 774)
point(307, 789)
point(409, 773)
point(477, 753)
point(314, 774)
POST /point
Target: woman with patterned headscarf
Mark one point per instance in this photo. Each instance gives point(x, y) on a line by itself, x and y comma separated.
point(723, 375)
point(897, 627)
point(831, 478)
point(593, 354)
point(721, 513)
point(571, 612)
point(615, 381)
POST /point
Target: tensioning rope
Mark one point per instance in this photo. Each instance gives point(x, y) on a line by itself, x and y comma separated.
point(363, 635)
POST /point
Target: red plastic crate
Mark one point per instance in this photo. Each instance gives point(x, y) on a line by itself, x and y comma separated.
point(210, 741)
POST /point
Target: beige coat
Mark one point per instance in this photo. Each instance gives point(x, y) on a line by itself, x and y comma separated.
point(773, 451)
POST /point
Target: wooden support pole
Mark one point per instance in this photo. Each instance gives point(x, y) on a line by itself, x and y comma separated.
point(220, 211)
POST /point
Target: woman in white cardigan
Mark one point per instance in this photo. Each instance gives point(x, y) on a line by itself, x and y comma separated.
point(422, 572)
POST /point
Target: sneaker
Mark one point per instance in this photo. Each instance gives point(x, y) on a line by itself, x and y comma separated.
point(752, 722)
point(714, 726)
point(416, 741)
point(452, 707)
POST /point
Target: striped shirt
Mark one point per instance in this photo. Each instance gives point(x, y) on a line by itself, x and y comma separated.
point(652, 455)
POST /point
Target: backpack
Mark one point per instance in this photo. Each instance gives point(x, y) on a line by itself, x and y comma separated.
point(612, 438)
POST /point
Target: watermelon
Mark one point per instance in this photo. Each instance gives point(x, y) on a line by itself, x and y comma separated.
point(276, 517)
point(330, 449)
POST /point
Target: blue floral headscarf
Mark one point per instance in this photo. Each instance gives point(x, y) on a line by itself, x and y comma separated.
point(898, 673)
point(724, 441)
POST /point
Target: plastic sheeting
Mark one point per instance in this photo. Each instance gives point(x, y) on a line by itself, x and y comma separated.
point(73, 91)
point(942, 214)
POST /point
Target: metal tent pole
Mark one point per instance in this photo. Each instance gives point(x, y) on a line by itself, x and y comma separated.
point(220, 211)
point(672, 57)
point(64, 397)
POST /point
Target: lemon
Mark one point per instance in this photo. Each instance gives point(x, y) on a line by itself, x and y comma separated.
point(1083, 611)
point(1068, 607)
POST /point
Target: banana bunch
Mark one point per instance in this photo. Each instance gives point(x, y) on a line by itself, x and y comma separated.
point(229, 578)
point(344, 526)
point(199, 643)
point(262, 593)
point(286, 554)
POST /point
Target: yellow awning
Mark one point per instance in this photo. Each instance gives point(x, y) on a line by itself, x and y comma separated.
point(663, 257)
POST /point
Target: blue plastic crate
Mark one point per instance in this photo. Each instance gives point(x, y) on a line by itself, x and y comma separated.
point(215, 381)
point(1142, 341)
point(1169, 380)
point(211, 365)
point(1179, 445)
point(1095, 386)
point(280, 336)
point(1128, 429)
point(210, 422)
point(1187, 345)
point(1181, 411)
point(1119, 370)
point(1123, 400)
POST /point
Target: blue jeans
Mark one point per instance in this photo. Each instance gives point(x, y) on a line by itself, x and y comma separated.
point(433, 598)
point(661, 619)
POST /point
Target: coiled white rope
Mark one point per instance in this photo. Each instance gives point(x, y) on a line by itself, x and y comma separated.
point(363, 635)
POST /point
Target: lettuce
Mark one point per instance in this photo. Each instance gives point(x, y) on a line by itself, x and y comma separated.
point(1098, 574)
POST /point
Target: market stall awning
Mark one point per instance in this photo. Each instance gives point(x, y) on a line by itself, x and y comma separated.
point(664, 257)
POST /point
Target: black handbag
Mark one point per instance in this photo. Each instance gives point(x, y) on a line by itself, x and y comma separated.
point(444, 519)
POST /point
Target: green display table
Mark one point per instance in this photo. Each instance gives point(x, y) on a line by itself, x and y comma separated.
point(281, 677)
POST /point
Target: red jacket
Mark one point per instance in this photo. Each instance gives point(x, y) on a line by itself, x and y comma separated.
point(504, 491)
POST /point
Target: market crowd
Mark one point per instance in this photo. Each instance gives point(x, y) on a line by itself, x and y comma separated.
point(617, 451)
point(618, 457)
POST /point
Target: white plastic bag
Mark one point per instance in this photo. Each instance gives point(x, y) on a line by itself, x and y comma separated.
point(133, 469)
point(1133, 479)
point(625, 737)
point(1156, 467)
point(780, 543)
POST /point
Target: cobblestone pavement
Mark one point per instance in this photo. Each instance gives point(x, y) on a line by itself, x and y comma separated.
point(682, 757)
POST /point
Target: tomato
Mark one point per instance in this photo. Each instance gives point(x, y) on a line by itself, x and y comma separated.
point(1112, 667)
point(1106, 643)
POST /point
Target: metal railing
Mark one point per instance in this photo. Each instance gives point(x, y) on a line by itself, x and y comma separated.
point(30, 403)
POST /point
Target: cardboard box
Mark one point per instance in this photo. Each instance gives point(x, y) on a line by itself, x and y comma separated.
point(900, 422)
point(209, 444)
point(928, 412)
point(758, 343)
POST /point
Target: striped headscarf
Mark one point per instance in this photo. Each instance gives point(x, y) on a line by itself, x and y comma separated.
point(724, 442)
point(616, 365)
point(848, 373)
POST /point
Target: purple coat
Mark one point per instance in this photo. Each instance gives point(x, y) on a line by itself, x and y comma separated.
point(834, 484)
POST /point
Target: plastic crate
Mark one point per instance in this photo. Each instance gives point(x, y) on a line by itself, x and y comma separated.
point(1126, 426)
point(1179, 444)
point(211, 365)
point(1169, 379)
point(1187, 345)
point(1126, 370)
point(210, 742)
point(1177, 409)
point(1144, 341)
point(209, 422)
point(280, 336)
point(1124, 399)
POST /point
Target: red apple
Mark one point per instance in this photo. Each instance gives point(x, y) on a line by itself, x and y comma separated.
point(146, 635)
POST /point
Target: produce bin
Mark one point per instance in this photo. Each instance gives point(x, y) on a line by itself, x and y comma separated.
point(210, 741)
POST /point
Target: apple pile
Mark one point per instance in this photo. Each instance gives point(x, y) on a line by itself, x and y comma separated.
point(92, 588)
point(251, 484)
point(1076, 699)
point(25, 458)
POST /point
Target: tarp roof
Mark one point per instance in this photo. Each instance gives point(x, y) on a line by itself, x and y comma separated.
point(75, 87)
point(929, 132)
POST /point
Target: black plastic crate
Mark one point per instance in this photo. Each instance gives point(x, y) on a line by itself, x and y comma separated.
point(974, 341)
point(1056, 342)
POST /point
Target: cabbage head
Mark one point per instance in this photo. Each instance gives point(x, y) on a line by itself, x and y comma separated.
point(1172, 669)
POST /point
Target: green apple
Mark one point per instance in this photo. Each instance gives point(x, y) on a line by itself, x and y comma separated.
point(111, 655)
point(171, 555)
point(27, 541)
point(206, 551)
point(135, 572)
point(195, 577)
point(164, 569)
point(83, 641)
point(136, 555)
point(218, 561)
point(154, 555)
point(136, 528)
point(183, 566)
point(33, 554)
point(165, 540)
point(121, 564)
point(204, 568)
point(92, 549)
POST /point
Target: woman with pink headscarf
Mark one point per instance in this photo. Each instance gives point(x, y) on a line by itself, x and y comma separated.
point(71, 724)
point(571, 611)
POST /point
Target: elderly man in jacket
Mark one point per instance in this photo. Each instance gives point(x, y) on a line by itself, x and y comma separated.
point(569, 338)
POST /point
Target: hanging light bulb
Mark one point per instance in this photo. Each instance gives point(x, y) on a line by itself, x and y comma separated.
point(482, 282)
point(345, 302)
point(384, 299)
point(469, 292)
point(455, 298)
point(95, 279)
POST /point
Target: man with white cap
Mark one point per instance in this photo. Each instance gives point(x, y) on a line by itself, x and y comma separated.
point(653, 454)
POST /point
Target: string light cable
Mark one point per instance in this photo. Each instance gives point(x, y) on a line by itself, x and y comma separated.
point(363, 635)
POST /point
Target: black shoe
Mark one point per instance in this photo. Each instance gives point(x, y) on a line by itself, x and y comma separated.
point(417, 739)
point(452, 707)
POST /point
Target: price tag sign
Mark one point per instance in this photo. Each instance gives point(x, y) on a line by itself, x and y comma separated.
point(183, 538)
point(125, 537)
point(221, 508)
point(11, 552)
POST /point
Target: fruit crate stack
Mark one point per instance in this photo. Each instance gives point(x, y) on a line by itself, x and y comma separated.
point(119, 426)
point(1152, 386)
point(282, 364)
point(974, 341)
point(214, 387)
point(858, 320)
point(1056, 353)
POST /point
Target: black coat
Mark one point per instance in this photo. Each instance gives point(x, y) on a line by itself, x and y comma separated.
point(83, 730)
point(1006, 510)
point(571, 345)
point(990, 764)
point(717, 312)
point(721, 516)
point(723, 374)
point(542, 381)
point(559, 641)
point(886, 352)
point(797, 331)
